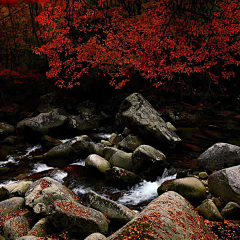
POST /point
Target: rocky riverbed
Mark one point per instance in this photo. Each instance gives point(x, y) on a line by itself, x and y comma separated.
point(66, 176)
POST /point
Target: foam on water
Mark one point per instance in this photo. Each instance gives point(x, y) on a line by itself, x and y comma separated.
point(40, 167)
point(10, 159)
point(80, 162)
point(64, 140)
point(80, 190)
point(59, 175)
point(7, 182)
point(104, 136)
point(32, 149)
point(144, 191)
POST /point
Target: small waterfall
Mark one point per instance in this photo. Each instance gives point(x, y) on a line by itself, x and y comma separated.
point(144, 191)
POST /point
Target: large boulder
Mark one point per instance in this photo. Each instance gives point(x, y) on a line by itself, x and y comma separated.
point(137, 114)
point(40, 229)
point(43, 123)
point(219, 156)
point(98, 163)
point(5, 130)
point(95, 236)
point(130, 143)
point(44, 192)
point(148, 161)
point(121, 178)
point(18, 188)
point(225, 184)
point(16, 227)
point(77, 218)
point(109, 208)
point(169, 216)
point(231, 211)
point(62, 155)
point(190, 188)
point(121, 159)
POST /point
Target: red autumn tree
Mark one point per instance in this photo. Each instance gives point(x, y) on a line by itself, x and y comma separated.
point(158, 39)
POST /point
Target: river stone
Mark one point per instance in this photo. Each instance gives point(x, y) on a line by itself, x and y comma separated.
point(209, 211)
point(148, 161)
point(130, 143)
point(16, 227)
point(95, 236)
point(106, 143)
point(40, 229)
point(170, 126)
point(4, 194)
point(109, 208)
point(169, 216)
point(77, 218)
point(190, 188)
point(78, 147)
point(5, 129)
point(45, 191)
point(10, 206)
point(97, 162)
point(109, 151)
point(121, 159)
point(225, 184)
point(115, 139)
point(122, 178)
point(18, 188)
point(43, 123)
point(231, 211)
point(137, 114)
point(29, 238)
point(219, 156)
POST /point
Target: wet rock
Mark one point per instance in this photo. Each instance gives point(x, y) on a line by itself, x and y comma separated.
point(19, 188)
point(121, 178)
point(97, 162)
point(42, 124)
point(231, 211)
point(169, 216)
point(148, 161)
point(209, 211)
point(190, 188)
point(16, 227)
point(109, 208)
point(77, 219)
point(45, 191)
point(122, 159)
point(95, 236)
point(106, 143)
point(137, 114)
point(203, 175)
point(40, 229)
point(130, 143)
point(6, 129)
point(170, 126)
point(109, 151)
point(225, 184)
point(28, 238)
point(219, 156)
point(66, 153)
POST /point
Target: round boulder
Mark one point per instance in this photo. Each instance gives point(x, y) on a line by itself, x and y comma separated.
point(231, 211)
point(97, 162)
point(121, 159)
point(219, 156)
point(191, 188)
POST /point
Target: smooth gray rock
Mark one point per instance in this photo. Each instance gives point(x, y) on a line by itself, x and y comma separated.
point(109, 151)
point(64, 154)
point(225, 184)
point(169, 216)
point(109, 208)
point(98, 163)
point(231, 211)
point(137, 114)
point(95, 236)
point(219, 156)
point(148, 161)
point(18, 188)
point(28, 238)
point(77, 218)
point(122, 159)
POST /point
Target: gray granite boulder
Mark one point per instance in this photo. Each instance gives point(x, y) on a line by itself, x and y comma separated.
point(219, 156)
point(130, 143)
point(137, 114)
point(169, 216)
point(18, 188)
point(225, 184)
point(98, 163)
point(122, 159)
point(109, 208)
point(77, 218)
point(148, 161)
point(64, 154)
